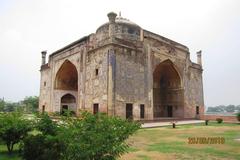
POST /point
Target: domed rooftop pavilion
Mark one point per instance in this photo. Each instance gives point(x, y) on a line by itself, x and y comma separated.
point(124, 28)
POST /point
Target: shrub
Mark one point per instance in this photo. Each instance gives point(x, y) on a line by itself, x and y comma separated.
point(219, 120)
point(174, 124)
point(90, 137)
point(46, 125)
point(46, 145)
point(97, 136)
point(13, 129)
point(42, 147)
point(206, 122)
point(238, 116)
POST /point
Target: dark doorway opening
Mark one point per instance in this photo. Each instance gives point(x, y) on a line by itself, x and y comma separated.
point(129, 111)
point(68, 102)
point(169, 111)
point(64, 109)
point(197, 110)
point(95, 108)
point(43, 108)
point(142, 110)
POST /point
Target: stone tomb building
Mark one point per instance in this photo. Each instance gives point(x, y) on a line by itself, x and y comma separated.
point(123, 70)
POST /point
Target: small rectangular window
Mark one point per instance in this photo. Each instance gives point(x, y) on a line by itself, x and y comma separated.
point(142, 110)
point(96, 72)
point(95, 108)
point(129, 111)
point(43, 108)
point(44, 83)
point(197, 110)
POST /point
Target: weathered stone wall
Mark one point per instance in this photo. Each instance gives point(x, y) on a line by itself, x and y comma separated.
point(96, 85)
point(130, 82)
point(193, 94)
point(45, 87)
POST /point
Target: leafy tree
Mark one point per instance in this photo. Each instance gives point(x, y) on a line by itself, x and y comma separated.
point(96, 137)
point(230, 108)
point(13, 128)
point(10, 106)
point(223, 108)
point(30, 103)
point(2, 105)
point(238, 108)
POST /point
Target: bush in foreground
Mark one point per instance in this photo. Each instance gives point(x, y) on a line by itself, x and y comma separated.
point(98, 137)
point(42, 147)
point(90, 137)
point(13, 129)
point(46, 125)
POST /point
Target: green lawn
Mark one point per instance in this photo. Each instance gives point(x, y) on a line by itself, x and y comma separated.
point(169, 143)
point(4, 155)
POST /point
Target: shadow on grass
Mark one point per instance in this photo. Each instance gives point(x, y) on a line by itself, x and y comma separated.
point(5, 156)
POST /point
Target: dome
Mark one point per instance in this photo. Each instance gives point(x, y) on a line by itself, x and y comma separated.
point(120, 20)
point(124, 28)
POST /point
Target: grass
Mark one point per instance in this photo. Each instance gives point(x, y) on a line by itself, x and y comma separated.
point(5, 156)
point(168, 143)
point(15, 155)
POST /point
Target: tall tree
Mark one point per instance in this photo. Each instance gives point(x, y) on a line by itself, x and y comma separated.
point(30, 103)
point(13, 128)
point(2, 105)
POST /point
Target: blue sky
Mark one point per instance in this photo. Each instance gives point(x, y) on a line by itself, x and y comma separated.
point(29, 26)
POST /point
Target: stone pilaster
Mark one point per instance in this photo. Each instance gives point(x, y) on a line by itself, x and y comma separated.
point(111, 81)
point(150, 83)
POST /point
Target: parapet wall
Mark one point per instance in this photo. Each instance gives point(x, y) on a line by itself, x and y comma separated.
point(231, 118)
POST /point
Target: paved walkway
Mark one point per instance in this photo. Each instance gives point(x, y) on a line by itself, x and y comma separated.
point(161, 124)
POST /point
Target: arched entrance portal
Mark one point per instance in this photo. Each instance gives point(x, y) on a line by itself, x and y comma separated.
point(167, 91)
point(67, 77)
point(66, 84)
point(68, 102)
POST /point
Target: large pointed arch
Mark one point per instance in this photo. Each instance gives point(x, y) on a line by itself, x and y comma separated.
point(167, 90)
point(167, 70)
point(67, 77)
